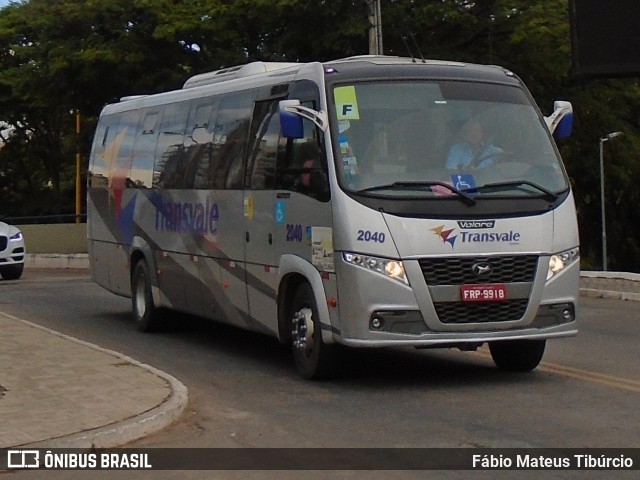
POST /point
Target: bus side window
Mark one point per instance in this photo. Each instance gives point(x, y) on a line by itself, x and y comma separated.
point(102, 152)
point(265, 140)
point(144, 149)
point(170, 170)
point(198, 139)
point(303, 168)
point(229, 140)
point(119, 170)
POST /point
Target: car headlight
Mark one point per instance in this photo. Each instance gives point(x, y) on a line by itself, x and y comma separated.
point(393, 269)
point(559, 261)
point(16, 238)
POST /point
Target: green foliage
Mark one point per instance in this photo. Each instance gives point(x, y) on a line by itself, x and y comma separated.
point(57, 56)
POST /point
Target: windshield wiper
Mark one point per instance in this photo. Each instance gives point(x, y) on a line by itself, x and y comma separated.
point(469, 200)
point(518, 183)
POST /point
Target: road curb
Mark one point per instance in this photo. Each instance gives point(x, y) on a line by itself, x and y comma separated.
point(634, 277)
point(611, 294)
point(56, 260)
point(126, 430)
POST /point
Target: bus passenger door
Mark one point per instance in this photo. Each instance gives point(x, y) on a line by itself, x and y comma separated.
point(219, 179)
point(284, 196)
point(261, 215)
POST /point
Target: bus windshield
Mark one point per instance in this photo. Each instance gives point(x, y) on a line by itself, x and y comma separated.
point(419, 138)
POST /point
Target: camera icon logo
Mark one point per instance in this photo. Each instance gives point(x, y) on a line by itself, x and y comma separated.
point(23, 459)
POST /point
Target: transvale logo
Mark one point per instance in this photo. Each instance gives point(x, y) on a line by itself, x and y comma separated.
point(446, 234)
point(469, 231)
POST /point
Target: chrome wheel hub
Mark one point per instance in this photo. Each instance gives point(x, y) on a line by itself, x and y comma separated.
point(302, 332)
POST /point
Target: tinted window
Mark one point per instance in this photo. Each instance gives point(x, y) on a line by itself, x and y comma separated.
point(303, 169)
point(265, 136)
point(171, 169)
point(121, 150)
point(230, 134)
point(144, 149)
point(198, 140)
point(98, 170)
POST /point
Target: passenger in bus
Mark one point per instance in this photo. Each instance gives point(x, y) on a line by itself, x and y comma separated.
point(305, 177)
point(471, 152)
point(312, 179)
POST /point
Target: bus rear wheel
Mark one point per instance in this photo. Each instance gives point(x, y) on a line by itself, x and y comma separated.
point(517, 355)
point(146, 315)
point(313, 358)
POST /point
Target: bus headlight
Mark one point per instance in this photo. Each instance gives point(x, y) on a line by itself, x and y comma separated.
point(559, 261)
point(389, 268)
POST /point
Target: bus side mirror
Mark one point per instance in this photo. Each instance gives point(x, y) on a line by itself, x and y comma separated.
point(291, 115)
point(565, 127)
point(560, 122)
point(290, 122)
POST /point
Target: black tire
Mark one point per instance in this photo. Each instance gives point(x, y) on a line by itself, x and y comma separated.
point(146, 316)
point(313, 358)
point(517, 355)
point(12, 272)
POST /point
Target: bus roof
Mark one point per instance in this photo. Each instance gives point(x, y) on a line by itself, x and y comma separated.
point(368, 67)
point(382, 66)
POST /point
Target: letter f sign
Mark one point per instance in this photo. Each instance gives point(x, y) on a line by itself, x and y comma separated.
point(346, 109)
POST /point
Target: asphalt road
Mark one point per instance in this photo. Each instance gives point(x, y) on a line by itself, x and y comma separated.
point(244, 390)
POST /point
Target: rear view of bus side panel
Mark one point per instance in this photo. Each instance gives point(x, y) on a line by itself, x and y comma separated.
point(110, 165)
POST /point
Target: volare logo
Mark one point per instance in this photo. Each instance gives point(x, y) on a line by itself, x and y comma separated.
point(472, 224)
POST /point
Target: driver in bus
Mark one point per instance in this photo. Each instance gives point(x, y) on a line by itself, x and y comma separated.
point(471, 152)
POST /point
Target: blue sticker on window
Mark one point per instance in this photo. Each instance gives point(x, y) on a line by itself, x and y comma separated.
point(466, 183)
point(281, 212)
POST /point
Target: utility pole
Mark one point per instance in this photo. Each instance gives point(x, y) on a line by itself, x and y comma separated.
point(78, 171)
point(375, 28)
point(606, 138)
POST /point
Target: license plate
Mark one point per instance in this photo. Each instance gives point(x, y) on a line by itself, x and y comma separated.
point(493, 292)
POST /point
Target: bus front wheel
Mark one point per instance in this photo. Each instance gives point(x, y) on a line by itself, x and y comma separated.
point(517, 355)
point(146, 315)
point(313, 358)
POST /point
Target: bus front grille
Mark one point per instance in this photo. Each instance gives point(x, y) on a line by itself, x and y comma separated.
point(461, 312)
point(453, 272)
point(459, 270)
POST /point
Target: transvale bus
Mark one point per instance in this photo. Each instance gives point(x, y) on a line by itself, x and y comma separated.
point(332, 204)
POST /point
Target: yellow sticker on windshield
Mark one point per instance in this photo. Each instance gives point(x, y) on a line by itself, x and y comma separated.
point(347, 103)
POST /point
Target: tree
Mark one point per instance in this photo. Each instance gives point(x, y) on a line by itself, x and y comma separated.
point(60, 56)
point(57, 56)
